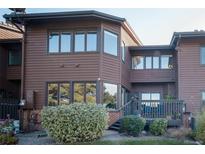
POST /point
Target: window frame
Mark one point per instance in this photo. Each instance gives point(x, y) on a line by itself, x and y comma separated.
point(9, 56)
point(123, 52)
point(103, 44)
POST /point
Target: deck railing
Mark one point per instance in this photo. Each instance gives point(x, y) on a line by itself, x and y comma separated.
point(170, 109)
point(9, 108)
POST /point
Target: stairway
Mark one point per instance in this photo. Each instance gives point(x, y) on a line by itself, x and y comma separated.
point(115, 126)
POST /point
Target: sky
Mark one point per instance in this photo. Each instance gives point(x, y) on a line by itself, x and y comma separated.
point(153, 26)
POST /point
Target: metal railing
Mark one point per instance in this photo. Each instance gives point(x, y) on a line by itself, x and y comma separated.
point(9, 108)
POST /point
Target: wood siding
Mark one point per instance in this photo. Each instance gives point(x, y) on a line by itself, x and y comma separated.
point(14, 73)
point(151, 75)
point(191, 74)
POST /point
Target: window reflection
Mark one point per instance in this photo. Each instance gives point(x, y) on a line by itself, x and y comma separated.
point(110, 95)
point(65, 42)
point(137, 62)
point(52, 94)
point(110, 43)
point(79, 42)
point(91, 41)
point(54, 42)
point(64, 93)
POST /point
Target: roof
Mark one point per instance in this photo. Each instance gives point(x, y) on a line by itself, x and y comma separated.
point(150, 47)
point(192, 34)
point(9, 32)
point(21, 18)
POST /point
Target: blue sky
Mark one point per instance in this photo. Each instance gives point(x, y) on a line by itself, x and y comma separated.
point(153, 26)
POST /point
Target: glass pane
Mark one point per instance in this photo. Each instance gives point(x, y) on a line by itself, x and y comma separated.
point(166, 62)
point(202, 55)
point(52, 94)
point(79, 89)
point(203, 96)
point(91, 42)
point(123, 96)
point(79, 42)
point(148, 62)
point(156, 62)
point(123, 51)
point(14, 57)
point(155, 96)
point(64, 93)
point(110, 43)
point(138, 62)
point(110, 95)
point(146, 96)
point(65, 42)
point(54, 42)
point(91, 93)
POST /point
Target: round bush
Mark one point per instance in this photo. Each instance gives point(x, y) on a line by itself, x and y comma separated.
point(200, 127)
point(158, 127)
point(75, 123)
point(132, 125)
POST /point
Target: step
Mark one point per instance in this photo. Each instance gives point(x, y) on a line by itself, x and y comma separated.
point(114, 128)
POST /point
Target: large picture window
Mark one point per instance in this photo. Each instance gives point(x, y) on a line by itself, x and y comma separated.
point(85, 92)
point(58, 94)
point(110, 95)
point(14, 58)
point(110, 43)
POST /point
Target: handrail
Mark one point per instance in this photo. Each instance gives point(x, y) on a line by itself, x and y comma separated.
point(122, 107)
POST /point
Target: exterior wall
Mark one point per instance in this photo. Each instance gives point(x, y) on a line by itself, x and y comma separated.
point(190, 73)
point(126, 65)
point(163, 88)
point(2, 67)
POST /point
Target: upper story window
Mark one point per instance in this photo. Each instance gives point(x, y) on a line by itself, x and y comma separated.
point(14, 57)
point(152, 62)
point(123, 51)
point(203, 97)
point(110, 43)
point(91, 41)
point(166, 62)
point(202, 55)
point(138, 62)
point(59, 42)
point(79, 42)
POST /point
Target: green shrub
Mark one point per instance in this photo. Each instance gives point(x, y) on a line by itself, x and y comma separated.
point(7, 127)
point(200, 127)
point(7, 139)
point(132, 125)
point(158, 127)
point(75, 123)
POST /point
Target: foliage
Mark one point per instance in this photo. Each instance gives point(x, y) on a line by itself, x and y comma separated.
point(8, 139)
point(158, 127)
point(169, 98)
point(200, 127)
point(78, 122)
point(179, 133)
point(132, 125)
point(7, 127)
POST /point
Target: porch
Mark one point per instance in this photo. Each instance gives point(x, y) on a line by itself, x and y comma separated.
point(172, 110)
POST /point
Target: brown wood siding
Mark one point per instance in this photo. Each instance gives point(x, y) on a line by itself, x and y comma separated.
point(14, 73)
point(151, 75)
point(41, 67)
point(126, 65)
point(163, 88)
point(191, 74)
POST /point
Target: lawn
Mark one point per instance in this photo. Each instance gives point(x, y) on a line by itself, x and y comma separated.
point(138, 142)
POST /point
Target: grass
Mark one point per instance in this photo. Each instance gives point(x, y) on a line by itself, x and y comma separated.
point(139, 142)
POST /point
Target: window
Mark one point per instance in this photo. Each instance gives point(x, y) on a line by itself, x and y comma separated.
point(155, 62)
point(54, 42)
point(58, 94)
point(64, 94)
point(123, 51)
point(91, 93)
point(202, 55)
point(85, 92)
point(65, 42)
point(137, 62)
point(92, 41)
point(110, 95)
point(79, 42)
point(148, 62)
point(14, 58)
point(52, 94)
point(110, 43)
point(166, 62)
point(150, 99)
